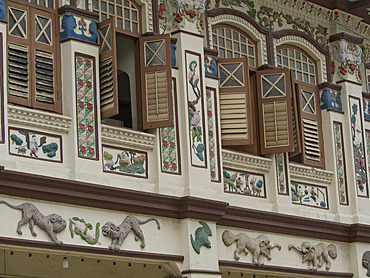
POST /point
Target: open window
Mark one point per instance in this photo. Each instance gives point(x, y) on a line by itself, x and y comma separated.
point(33, 56)
point(135, 70)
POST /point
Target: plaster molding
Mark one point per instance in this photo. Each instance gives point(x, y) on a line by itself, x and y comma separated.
point(244, 25)
point(127, 137)
point(309, 48)
point(310, 175)
point(149, 14)
point(40, 119)
point(246, 162)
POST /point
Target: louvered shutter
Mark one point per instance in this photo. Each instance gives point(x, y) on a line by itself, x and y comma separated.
point(296, 149)
point(109, 102)
point(310, 125)
point(155, 65)
point(33, 57)
point(235, 102)
point(275, 110)
point(44, 55)
point(19, 90)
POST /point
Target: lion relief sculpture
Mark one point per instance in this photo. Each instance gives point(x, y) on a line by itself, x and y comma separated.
point(316, 254)
point(258, 246)
point(51, 224)
point(119, 233)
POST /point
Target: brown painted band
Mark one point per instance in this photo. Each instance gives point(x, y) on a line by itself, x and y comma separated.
point(201, 271)
point(65, 191)
point(349, 81)
point(346, 37)
point(210, 52)
point(287, 270)
point(330, 86)
point(85, 249)
point(76, 11)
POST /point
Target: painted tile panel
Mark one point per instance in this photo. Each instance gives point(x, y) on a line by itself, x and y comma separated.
point(245, 183)
point(358, 147)
point(195, 109)
point(340, 161)
point(309, 195)
point(35, 144)
point(86, 106)
point(125, 161)
point(281, 169)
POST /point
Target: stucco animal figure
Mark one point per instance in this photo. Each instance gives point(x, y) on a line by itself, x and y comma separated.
point(51, 224)
point(256, 186)
point(201, 237)
point(327, 99)
point(316, 254)
point(123, 160)
point(366, 261)
point(258, 246)
point(119, 233)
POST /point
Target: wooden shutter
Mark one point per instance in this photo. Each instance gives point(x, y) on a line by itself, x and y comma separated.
point(109, 103)
point(296, 149)
point(33, 57)
point(235, 102)
point(155, 66)
point(310, 125)
point(275, 111)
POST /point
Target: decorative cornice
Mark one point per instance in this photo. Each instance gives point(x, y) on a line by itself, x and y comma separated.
point(309, 174)
point(309, 45)
point(37, 118)
point(346, 37)
point(77, 11)
point(246, 162)
point(330, 86)
point(127, 137)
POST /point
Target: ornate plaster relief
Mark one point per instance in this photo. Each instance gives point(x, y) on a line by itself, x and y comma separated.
point(245, 26)
point(147, 14)
point(310, 49)
point(127, 137)
point(40, 119)
point(310, 175)
point(246, 162)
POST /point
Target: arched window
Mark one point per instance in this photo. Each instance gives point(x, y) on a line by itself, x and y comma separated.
point(301, 63)
point(233, 43)
point(127, 13)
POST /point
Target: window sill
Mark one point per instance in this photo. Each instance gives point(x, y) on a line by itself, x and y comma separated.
point(127, 137)
point(246, 162)
point(37, 118)
point(309, 174)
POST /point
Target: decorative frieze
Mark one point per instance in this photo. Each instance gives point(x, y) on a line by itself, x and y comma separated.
point(331, 99)
point(309, 174)
point(246, 162)
point(358, 147)
point(246, 183)
point(86, 107)
point(125, 161)
point(127, 137)
point(37, 118)
point(340, 161)
point(201, 237)
point(309, 195)
point(78, 30)
point(35, 144)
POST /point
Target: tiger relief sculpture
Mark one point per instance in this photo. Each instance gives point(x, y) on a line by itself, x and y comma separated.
point(119, 233)
point(51, 224)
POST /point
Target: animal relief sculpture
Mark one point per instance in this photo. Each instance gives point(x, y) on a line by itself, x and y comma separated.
point(119, 233)
point(51, 224)
point(316, 254)
point(258, 246)
point(365, 262)
point(201, 237)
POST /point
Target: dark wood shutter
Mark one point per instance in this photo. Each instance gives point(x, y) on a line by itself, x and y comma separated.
point(235, 102)
point(275, 110)
point(109, 102)
point(310, 125)
point(155, 66)
point(296, 149)
point(33, 57)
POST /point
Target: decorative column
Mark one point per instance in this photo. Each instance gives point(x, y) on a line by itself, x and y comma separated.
point(349, 145)
point(3, 76)
point(79, 55)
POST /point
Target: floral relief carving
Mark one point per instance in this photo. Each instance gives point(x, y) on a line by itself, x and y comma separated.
point(341, 170)
point(281, 174)
point(246, 183)
point(309, 195)
point(169, 150)
point(86, 114)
